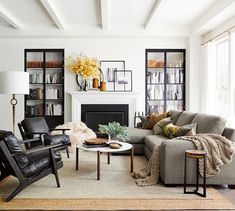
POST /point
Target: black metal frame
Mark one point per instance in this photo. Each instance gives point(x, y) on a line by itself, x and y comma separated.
point(16, 171)
point(122, 71)
point(110, 61)
point(52, 121)
point(197, 176)
point(164, 51)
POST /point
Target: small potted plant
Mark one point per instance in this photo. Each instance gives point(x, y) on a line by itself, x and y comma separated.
point(115, 131)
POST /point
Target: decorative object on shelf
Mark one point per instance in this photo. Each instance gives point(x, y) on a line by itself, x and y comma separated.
point(108, 68)
point(102, 86)
point(85, 68)
point(123, 80)
point(14, 82)
point(115, 131)
point(95, 83)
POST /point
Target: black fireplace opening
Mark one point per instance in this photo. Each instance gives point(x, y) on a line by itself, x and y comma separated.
point(94, 114)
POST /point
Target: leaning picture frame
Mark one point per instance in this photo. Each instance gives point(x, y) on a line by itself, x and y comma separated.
point(108, 67)
point(123, 81)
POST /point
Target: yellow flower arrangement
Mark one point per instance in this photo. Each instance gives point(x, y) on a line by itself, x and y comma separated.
point(84, 66)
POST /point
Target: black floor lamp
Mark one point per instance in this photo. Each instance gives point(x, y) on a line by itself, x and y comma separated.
point(14, 82)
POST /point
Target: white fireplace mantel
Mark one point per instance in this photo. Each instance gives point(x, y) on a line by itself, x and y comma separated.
point(95, 97)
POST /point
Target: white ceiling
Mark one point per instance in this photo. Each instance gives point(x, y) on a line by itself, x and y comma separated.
point(103, 17)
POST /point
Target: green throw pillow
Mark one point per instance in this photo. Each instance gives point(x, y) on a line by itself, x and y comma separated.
point(172, 131)
point(158, 128)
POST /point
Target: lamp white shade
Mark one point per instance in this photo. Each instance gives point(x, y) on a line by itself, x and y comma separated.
point(14, 82)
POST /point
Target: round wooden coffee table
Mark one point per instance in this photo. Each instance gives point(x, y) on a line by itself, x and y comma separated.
point(99, 150)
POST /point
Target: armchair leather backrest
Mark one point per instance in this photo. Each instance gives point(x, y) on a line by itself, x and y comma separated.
point(14, 147)
point(36, 124)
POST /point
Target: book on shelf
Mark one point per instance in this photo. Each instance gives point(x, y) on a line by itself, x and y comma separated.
point(175, 76)
point(156, 77)
point(36, 78)
point(52, 93)
point(53, 109)
point(35, 110)
point(94, 145)
point(36, 94)
point(174, 92)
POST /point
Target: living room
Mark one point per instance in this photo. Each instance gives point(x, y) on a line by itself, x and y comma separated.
point(162, 68)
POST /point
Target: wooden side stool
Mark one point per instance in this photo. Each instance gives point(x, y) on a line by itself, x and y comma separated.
point(196, 154)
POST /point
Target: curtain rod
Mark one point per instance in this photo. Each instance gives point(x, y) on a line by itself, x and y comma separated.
point(227, 30)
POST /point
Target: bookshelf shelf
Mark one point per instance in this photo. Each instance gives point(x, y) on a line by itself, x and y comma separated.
point(165, 80)
point(46, 72)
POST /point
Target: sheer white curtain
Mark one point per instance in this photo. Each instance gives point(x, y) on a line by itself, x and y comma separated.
point(218, 78)
point(208, 77)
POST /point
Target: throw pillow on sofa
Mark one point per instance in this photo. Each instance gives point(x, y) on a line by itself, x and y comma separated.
point(158, 128)
point(153, 119)
point(172, 131)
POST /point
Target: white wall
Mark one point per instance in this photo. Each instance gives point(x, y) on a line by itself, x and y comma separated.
point(132, 50)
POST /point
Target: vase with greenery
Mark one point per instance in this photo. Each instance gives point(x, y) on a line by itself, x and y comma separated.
point(85, 69)
point(115, 131)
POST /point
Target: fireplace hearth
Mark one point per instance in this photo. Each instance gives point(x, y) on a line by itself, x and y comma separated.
point(94, 114)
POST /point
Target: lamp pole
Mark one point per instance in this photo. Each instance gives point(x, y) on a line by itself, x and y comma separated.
point(13, 103)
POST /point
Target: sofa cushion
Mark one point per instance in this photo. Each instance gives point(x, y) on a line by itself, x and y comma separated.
point(172, 131)
point(185, 118)
point(152, 140)
point(137, 135)
point(229, 133)
point(207, 123)
point(158, 128)
point(174, 115)
point(152, 119)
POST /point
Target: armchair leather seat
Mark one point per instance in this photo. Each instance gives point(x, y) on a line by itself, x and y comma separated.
point(37, 127)
point(27, 165)
point(56, 139)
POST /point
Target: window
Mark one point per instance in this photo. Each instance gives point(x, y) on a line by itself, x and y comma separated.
point(218, 78)
point(222, 89)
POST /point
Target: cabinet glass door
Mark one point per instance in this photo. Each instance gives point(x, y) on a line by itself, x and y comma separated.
point(34, 101)
point(53, 83)
point(174, 81)
point(155, 82)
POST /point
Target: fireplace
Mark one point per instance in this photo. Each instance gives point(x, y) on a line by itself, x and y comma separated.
point(94, 114)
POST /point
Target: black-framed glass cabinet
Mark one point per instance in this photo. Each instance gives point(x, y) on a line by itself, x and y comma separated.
point(165, 80)
point(46, 82)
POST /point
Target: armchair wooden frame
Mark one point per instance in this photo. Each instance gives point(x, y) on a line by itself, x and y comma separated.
point(25, 135)
point(13, 169)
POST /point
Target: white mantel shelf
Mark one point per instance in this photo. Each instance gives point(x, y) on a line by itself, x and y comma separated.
point(95, 97)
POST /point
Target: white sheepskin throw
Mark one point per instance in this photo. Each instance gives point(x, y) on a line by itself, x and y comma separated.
point(78, 132)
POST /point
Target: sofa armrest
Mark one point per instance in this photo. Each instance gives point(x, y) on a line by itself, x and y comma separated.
point(172, 160)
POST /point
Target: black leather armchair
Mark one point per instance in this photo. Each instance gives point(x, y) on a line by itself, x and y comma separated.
point(28, 166)
point(37, 127)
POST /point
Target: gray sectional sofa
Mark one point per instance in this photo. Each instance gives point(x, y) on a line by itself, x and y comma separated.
point(172, 152)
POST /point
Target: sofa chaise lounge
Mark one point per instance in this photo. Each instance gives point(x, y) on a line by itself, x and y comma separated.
point(172, 151)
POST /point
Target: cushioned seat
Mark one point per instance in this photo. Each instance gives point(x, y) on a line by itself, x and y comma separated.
point(137, 135)
point(27, 165)
point(152, 140)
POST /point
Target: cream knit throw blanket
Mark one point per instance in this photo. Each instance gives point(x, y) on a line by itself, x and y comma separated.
point(219, 150)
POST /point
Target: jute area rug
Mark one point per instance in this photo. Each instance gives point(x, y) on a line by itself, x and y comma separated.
point(115, 191)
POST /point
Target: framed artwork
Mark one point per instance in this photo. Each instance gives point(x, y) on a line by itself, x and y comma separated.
point(123, 80)
point(108, 67)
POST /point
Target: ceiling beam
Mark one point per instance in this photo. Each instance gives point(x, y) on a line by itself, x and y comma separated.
point(104, 14)
point(152, 13)
point(53, 14)
point(212, 15)
point(8, 17)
